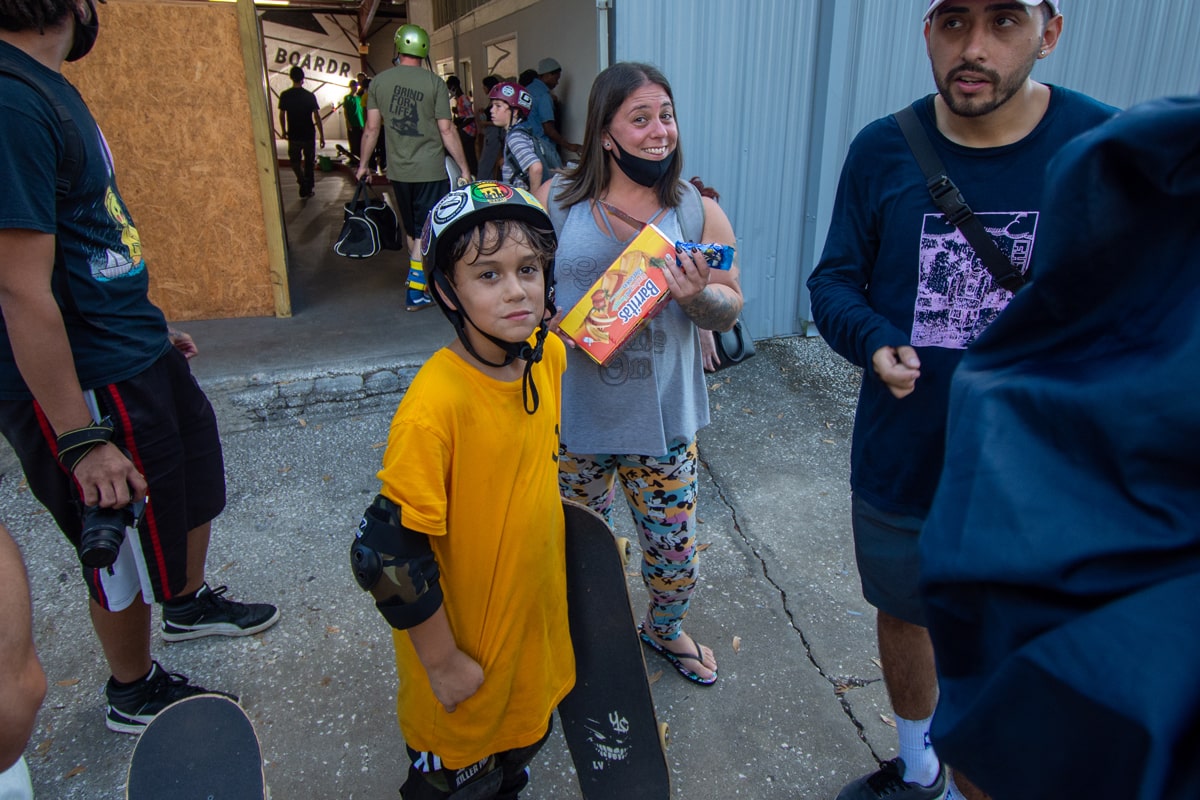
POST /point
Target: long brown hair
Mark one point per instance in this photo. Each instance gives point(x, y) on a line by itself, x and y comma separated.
point(589, 180)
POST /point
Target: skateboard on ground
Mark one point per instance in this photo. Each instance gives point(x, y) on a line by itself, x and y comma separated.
point(351, 159)
point(201, 747)
point(608, 719)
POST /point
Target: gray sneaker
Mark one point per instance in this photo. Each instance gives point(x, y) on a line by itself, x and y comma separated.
point(210, 613)
point(888, 782)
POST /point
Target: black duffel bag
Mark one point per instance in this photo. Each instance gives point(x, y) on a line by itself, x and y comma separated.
point(370, 224)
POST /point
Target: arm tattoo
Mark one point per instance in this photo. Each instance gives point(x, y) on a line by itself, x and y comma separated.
point(713, 309)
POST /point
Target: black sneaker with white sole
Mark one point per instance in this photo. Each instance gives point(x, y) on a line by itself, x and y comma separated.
point(887, 784)
point(131, 707)
point(210, 613)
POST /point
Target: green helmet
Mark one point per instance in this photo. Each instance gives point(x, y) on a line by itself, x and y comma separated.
point(412, 40)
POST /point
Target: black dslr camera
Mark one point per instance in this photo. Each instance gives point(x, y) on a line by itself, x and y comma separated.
point(103, 533)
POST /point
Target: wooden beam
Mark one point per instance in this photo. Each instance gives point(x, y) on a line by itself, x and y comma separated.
point(264, 151)
point(366, 15)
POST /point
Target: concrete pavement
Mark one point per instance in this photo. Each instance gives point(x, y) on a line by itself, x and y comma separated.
point(304, 406)
point(795, 714)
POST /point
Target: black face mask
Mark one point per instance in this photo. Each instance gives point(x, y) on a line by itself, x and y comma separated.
point(85, 35)
point(643, 171)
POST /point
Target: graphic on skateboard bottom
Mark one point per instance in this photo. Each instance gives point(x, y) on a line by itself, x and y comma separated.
point(608, 719)
point(201, 747)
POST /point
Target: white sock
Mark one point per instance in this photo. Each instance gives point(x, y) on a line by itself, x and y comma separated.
point(921, 764)
point(952, 791)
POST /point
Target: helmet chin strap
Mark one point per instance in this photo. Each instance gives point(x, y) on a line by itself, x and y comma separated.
point(512, 350)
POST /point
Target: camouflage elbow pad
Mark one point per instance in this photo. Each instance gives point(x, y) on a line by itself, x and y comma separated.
point(396, 565)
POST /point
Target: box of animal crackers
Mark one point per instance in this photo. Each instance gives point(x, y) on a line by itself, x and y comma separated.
point(625, 297)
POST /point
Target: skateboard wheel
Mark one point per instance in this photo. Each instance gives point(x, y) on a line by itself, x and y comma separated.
point(625, 549)
point(664, 734)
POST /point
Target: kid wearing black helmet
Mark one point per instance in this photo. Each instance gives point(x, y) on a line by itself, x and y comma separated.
point(464, 547)
point(511, 104)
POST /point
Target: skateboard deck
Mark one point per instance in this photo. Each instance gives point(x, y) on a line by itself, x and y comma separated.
point(608, 719)
point(453, 173)
point(351, 159)
point(200, 747)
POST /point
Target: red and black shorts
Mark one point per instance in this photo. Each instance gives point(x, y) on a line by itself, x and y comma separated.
point(164, 421)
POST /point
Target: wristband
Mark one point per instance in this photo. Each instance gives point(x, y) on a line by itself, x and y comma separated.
point(74, 445)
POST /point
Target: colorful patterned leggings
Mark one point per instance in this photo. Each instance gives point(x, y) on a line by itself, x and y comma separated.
point(661, 492)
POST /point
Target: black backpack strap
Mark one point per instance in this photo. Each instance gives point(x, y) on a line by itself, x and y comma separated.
point(70, 169)
point(72, 160)
point(517, 173)
point(511, 159)
point(951, 203)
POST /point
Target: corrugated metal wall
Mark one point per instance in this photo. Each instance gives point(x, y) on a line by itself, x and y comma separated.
point(743, 94)
point(771, 92)
point(1123, 53)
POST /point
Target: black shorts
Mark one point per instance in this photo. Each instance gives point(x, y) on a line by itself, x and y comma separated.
point(889, 562)
point(500, 775)
point(414, 201)
point(164, 421)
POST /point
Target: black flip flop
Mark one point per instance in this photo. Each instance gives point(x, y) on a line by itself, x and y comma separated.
point(677, 660)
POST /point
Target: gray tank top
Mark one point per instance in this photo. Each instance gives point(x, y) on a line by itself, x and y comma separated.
point(650, 394)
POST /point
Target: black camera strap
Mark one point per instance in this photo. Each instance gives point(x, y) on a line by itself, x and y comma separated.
point(949, 200)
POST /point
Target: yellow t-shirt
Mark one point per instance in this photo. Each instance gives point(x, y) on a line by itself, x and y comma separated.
point(470, 468)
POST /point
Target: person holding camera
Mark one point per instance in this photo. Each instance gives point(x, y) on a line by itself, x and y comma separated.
point(96, 396)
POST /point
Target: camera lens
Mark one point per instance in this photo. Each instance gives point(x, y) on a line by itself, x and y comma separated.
point(103, 533)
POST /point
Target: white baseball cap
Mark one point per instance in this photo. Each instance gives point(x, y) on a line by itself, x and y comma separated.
point(1054, 12)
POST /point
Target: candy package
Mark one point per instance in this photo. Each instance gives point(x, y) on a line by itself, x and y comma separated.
point(718, 256)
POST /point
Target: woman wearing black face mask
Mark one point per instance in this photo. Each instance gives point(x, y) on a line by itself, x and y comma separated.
point(635, 419)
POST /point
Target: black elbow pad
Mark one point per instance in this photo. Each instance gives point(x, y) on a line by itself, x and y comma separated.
point(396, 565)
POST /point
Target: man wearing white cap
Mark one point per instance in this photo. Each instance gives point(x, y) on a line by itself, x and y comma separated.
point(900, 292)
point(543, 121)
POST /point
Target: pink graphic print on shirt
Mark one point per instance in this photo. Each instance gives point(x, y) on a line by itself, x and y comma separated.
point(956, 296)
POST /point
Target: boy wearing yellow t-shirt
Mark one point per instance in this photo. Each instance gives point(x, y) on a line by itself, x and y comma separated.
point(463, 549)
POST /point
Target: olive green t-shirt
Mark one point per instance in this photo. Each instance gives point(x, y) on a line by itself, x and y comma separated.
point(411, 100)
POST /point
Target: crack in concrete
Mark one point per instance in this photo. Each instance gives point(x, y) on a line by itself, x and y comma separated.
point(836, 683)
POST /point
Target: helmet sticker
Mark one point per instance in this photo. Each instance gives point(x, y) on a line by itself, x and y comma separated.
point(533, 201)
point(513, 95)
point(477, 203)
point(491, 192)
point(449, 207)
